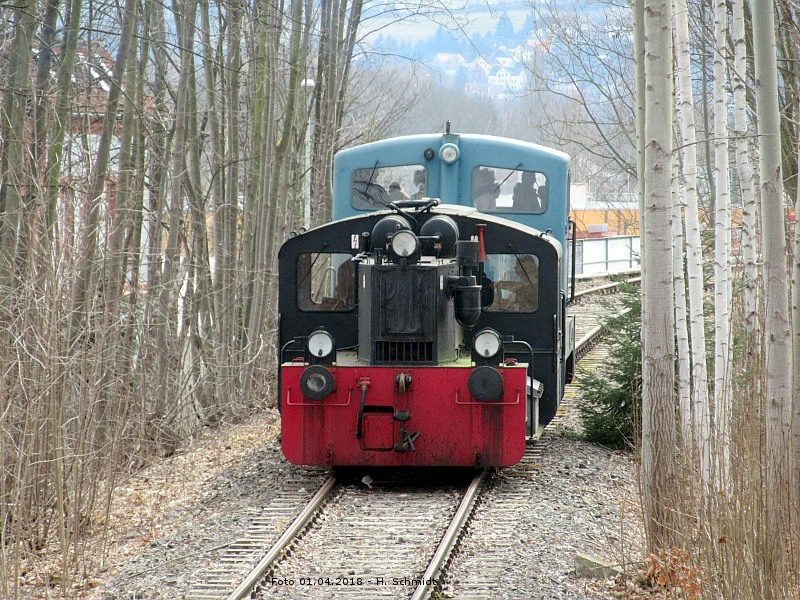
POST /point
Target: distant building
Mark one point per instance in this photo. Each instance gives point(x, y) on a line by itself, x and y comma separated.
point(477, 77)
point(603, 215)
point(506, 81)
point(504, 57)
point(448, 64)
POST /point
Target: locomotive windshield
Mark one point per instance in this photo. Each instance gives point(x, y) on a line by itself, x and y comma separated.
point(509, 190)
point(377, 186)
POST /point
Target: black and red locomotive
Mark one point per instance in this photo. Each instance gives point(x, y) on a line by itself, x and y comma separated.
point(426, 324)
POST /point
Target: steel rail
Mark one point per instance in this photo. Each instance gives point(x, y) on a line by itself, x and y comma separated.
point(605, 288)
point(249, 582)
point(450, 536)
point(584, 344)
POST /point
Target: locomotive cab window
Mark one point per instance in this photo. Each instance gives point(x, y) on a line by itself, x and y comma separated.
point(515, 281)
point(375, 187)
point(509, 190)
point(325, 282)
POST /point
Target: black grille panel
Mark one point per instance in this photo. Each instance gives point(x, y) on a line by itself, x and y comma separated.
point(400, 352)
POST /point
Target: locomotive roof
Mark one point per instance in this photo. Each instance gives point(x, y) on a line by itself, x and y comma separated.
point(452, 210)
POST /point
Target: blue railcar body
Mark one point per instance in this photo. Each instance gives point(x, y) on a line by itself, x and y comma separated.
point(453, 183)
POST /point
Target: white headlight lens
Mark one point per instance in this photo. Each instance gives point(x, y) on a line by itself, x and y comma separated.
point(487, 343)
point(449, 153)
point(404, 243)
point(320, 344)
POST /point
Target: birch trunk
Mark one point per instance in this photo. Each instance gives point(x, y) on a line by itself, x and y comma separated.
point(681, 328)
point(722, 329)
point(701, 413)
point(778, 342)
point(746, 175)
point(658, 341)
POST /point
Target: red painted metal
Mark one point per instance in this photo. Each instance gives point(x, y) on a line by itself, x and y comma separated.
point(482, 256)
point(454, 428)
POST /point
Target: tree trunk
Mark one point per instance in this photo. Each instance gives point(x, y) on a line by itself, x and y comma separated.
point(658, 341)
point(227, 214)
point(684, 386)
point(722, 328)
point(340, 25)
point(55, 155)
point(700, 443)
point(780, 464)
point(266, 244)
point(15, 182)
point(746, 175)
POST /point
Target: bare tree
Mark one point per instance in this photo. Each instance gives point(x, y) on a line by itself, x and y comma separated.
point(338, 36)
point(273, 216)
point(585, 63)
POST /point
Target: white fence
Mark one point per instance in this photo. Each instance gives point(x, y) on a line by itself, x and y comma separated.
point(606, 255)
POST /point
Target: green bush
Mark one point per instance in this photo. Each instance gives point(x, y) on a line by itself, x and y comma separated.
point(611, 399)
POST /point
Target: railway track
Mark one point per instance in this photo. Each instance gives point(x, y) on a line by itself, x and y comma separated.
point(480, 569)
point(389, 537)
point(378, 542)
point(266, 526)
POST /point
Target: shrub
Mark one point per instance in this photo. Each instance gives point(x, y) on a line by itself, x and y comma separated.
point(610, 409)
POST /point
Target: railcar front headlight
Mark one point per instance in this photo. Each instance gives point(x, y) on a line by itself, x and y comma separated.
point(320, 344)
point(404, 243)
point(487, 343)
point(449, 153)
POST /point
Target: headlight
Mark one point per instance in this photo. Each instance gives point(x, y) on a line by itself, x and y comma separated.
point(404, 243)
point(317, 383)
point(320, 343)
point(486, 343)
point(486, 384)
point(449, 153)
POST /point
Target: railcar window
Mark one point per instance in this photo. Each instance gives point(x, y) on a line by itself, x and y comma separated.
point(325, 282)
point(509, 190)
point(515, 280)
point(375, 187)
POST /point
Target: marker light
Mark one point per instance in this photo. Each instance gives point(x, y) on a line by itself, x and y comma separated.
point(404, 243)
point(320, 343)
point(486, 343)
